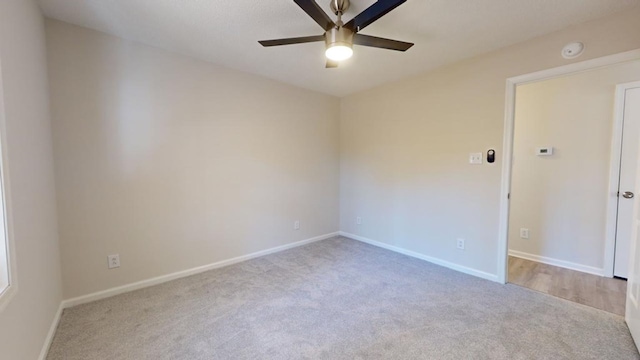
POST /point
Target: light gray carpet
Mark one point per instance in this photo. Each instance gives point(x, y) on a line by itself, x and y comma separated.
point(338, 299)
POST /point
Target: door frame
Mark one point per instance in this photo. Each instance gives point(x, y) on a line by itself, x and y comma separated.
point(507, 148)
point(614, 177)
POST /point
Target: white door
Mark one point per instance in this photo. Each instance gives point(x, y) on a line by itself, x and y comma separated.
point(628, 190)
point(632, 315)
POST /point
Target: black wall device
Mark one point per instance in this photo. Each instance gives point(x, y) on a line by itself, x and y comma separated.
point(491, 156)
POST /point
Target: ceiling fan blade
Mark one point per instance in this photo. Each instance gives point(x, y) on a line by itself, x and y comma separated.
point(331, 64)
point(374, 12)
point(377, 42)
point(291, 41)
point(315, 11)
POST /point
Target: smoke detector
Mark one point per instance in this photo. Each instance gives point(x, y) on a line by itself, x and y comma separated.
point(572, 50)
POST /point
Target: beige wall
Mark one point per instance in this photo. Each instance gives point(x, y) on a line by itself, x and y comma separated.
point(175, 163)
point(405, 146)
point(562, 199)
point(25, 321)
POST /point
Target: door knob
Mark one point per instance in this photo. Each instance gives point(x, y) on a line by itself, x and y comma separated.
point(627, 195)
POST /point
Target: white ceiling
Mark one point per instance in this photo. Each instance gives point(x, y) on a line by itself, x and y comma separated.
point(226, 33)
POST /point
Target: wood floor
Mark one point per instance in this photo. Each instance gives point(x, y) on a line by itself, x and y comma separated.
point(599, 292)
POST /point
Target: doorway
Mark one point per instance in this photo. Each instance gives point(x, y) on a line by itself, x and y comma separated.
point(557, 162)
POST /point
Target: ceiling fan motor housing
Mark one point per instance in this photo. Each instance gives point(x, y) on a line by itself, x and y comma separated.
point(339, 36)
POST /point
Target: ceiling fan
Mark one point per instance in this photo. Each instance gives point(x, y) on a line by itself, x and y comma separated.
point(339, 37)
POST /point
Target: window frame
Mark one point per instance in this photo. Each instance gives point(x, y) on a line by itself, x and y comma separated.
point(6, 233)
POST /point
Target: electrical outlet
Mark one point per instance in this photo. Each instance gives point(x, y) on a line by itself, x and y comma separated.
point(296, 225)
point(524, 233)
point(359, 220)
point(460, 244)
point(114, 261)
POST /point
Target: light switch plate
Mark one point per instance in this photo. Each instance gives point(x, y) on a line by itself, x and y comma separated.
point(475, 158)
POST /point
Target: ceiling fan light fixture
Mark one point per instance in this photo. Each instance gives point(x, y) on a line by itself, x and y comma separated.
point(338, 51)
point(339, 41)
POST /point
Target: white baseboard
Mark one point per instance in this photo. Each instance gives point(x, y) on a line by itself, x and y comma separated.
point(559, 263)
point(52, 331)
point(184, 273)
point(447, 264)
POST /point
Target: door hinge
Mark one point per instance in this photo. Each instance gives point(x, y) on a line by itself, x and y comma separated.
point(508, 196)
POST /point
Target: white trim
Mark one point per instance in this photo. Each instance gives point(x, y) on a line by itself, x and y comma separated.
point(505, 189)
point(5, 200)
point(52, 332)
point(614, 177)
point(509, 119)
point(7, 294)
point(577, 67)
point(557, 262)
point(184, 273)
point(447, 264)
